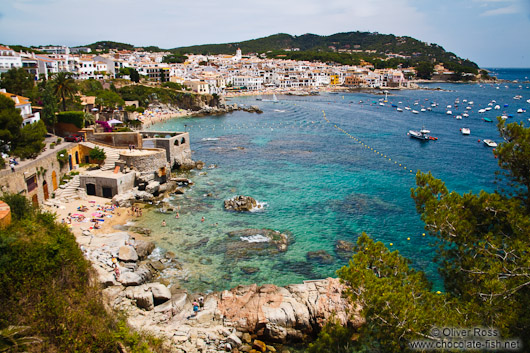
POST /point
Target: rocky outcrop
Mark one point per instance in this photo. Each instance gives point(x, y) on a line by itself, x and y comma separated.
point(285, 313)
point(241, 204)
point(320, 256)
point(127, 253)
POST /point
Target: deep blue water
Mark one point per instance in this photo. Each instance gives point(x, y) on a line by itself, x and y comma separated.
point(322, 185)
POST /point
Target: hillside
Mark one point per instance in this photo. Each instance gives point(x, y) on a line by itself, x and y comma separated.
point(348, 47)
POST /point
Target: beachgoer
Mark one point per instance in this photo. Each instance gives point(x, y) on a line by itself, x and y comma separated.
point(117, 272)
point(195, 308)
point(63, 221)
point(12, 165)
point(177, 215)
point(202, 219)
point(201, 303)
point(164, 223)
point(114, 262)
point(130, 148)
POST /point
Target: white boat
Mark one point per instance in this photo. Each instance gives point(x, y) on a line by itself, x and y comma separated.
point(504, 117)
point(381, 103)
point(423, 134)
point(465, 131)
point(408, 108)
point(399, 110)
point(490, 143)
point(458, 117)
point(423, 110)
point(415, 112)
point(488, 108)
point(468, 108)
point(528, 101)
point(449, 112)
point(520, 110)
point(465, 115)
point(482, 111)
point(497, 107)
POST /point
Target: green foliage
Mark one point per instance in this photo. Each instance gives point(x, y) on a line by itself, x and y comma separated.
point(19, 204)
point(62, 157)
point(17, 81)
point(64, 86)
point(2, 163)
point(89, 119)
point(174, 58)
point(396, 300)
point(173, 85)
point(106, 45)
point(335, 338)
point(10, 121)
point(90, 87)
point(44, 285)
point(130, 108)
point(75, 118)
point(514, 158)
point(145, 94)
point(123, 129)
point(31, 140)
point(424, 70)
point(15, 339)
point(140, 109)
point(108, 99)
point(49, 104)
point(97, 154)
point(131, 72)
point(52, 145)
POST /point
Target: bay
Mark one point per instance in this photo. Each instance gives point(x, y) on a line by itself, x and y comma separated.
point(322, 181)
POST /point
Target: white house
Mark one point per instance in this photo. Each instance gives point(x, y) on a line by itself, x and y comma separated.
point(9, 59)
point(24, 105)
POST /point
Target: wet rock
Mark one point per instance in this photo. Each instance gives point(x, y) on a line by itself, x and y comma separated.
point(205, 261)
point(153, 187)
point(127, 254)
point(246, 337)
point(320, 256)
point(249, 270)
point(241, 204)
point(234, 340)
point(179, 191)
point(156, 265)
point(344, 249)
point(199, 165)
point(140, 230)
point(170, 255)
point(144, 248)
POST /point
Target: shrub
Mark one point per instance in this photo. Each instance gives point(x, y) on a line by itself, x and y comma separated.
point(73, 117)
point(97, 154)
point(62, 157)
point(2, 163)
point(140, 109)
point(52, 145)
point(59, 140)
point(130, 108)
point(123, 129)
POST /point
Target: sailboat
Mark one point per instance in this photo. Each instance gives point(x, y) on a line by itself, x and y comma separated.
point(274, 99)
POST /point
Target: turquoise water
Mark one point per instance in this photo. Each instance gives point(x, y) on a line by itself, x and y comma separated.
point(318, 184)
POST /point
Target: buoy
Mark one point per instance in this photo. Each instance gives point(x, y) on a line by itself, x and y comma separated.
point(408, 238)
point(391, 244)
point(423, 234)
point(478, 140)
point(438, 292)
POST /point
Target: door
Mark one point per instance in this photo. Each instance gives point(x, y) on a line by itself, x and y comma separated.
point(45, 190)
point(91, 189)
point(76, 157)
point(54, 180)
point(107, 192)
point(70, 161)
point(35, 200)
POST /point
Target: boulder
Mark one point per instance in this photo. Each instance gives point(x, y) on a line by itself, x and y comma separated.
point(241, 204)
point(153, 187)
point(145, 272)
point(130, 279)
point(144, 248)
point(160, 292)
point(320, 256)
point(127, 254)
point(125, 199)
point(259, 346)
point(234, 340)
point(142, 296)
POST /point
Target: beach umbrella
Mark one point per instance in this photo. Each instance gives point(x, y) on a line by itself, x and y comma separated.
point(114, 121)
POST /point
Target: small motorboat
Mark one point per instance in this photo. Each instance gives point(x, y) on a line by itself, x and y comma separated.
point(465, 131)
point(399, 110)
point(488, 120)
point(423, 134)
point(415, 112)
point(490, 143)
point(458, 117)
point(449, 112)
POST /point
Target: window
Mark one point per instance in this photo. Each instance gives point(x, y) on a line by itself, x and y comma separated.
point(31, 183)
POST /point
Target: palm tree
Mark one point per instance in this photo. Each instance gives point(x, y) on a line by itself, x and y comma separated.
point(64, 86)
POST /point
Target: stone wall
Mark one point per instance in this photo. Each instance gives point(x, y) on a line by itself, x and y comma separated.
point(176, 145)
point(150, 160)
point(116, 139)
point(44, 172)
point(117, 183)
point(5, 215)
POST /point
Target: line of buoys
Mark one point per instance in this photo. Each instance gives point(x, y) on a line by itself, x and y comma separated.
point(362, 143)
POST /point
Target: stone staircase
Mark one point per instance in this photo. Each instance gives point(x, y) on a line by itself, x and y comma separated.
point(69, 191)
point(113, 155)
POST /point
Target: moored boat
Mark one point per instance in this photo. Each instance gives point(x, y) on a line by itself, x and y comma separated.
point(490, 143)
point(423, 134)
point(465, 131)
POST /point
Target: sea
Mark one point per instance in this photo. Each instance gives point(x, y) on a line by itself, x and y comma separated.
point(325, 168)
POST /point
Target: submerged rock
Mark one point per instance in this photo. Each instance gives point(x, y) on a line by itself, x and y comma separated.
point(249, 270)
point(241, 204)
point(247, 243)
point(322, 256)
point(344, 249)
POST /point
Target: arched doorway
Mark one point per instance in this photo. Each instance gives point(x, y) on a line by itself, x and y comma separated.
point(45, 190)
point(35, 200)
point(76, 157)
point(70, 161)
point(54, 180)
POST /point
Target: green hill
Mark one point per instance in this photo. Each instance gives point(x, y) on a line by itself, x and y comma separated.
point(345, 48)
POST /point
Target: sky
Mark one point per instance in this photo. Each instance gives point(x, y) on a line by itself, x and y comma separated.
point(492, 33)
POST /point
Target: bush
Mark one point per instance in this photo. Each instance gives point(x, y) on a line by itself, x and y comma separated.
point(130, 108)
point(97, 154)
point(134, 123)
point(62, 157)
point(52, 145)
point(59, 140)
point(2, 163)
point(140, 110)
point(123, 129)
point(74, 117)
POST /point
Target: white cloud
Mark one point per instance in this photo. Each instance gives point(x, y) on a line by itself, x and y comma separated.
point(508, 10)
